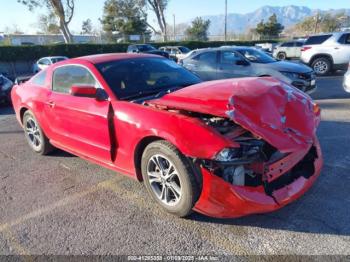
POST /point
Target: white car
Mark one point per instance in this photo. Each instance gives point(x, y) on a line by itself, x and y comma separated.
point(45, 62)
point(176, 52)
point(288, 50)
point(327, 52)
point(346, 82)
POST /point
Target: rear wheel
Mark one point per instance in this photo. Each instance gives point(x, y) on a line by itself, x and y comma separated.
point(281, 56)
point(36, 138)
point(322, 66)
point(169, 178)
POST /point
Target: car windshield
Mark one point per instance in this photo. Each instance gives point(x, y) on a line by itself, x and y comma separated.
point(140, 77)
point(58, 59)
point(145, 48)
point(256, 56)
point(184, 50)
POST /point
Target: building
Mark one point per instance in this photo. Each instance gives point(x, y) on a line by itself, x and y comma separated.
point(41, 39)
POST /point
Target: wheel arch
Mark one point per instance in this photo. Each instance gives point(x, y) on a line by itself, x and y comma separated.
point(139, 149)
point(22, 112)
point(322, 55)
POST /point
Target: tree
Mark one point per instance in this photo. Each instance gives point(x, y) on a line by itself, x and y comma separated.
point(48, 24)
point(62, 9)
point(198, 29)
point(158, 7)
point(321, 22)
point(269, 29)
point(124, 18)
point(86, 27)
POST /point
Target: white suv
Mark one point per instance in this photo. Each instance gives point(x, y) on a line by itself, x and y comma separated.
point(327, 52)
point(288, 50)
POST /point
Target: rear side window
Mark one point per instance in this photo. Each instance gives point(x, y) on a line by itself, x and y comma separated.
point(289, 44)
point(317, 40)
point(40, 78)
point(207, 58)
point(344, 39)
point(299, 44)
point(66, 77)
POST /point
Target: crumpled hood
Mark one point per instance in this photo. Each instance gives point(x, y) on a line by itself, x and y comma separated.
point(270, 109)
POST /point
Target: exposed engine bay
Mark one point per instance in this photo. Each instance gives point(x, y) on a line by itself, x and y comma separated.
point(247, 165)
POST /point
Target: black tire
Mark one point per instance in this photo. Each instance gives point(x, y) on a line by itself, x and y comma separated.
point(190, 188)
point(322, 66)
point(40, 144)
point(281, 56)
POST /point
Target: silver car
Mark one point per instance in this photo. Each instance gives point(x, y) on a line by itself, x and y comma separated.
point(232, 62)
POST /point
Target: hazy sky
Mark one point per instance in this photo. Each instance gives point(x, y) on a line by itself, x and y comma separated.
point(13, 13)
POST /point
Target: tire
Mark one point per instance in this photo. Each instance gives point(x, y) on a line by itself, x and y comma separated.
point(322, 66)
point(281, 56)
point(36, 138)
point(178, 194)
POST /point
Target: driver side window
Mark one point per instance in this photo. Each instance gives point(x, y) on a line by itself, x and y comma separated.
point(229, 57)
point(67, 76)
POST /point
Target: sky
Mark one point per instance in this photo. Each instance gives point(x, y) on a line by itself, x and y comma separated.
point(14, 14)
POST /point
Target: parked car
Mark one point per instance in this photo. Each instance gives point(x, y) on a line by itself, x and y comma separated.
point(5, 89)
point(288, 50)
point(176, 52)
point(346, 82)
point(45, 62)
point(147, 49)
point(232, 62)
point(223, 148)
point(327, 52)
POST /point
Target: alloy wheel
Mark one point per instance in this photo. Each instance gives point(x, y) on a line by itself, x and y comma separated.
point(33, 133)
point(321, 67)
point(164, 180)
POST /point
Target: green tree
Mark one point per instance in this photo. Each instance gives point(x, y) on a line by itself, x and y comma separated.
point(272, 28)
point(86, 27)
point(62, 9)
point(48, 24)
point(198, 29)
point(123, 18)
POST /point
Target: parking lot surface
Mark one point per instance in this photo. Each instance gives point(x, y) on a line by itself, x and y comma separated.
point(61, 204)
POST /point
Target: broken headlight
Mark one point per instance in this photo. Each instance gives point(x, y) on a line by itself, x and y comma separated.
point(228, 154)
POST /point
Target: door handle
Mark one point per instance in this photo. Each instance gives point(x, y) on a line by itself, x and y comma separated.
point(336, 48)
point(51, 104)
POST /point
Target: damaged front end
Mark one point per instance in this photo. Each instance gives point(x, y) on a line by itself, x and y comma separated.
point(255, 177)
point(276, 155)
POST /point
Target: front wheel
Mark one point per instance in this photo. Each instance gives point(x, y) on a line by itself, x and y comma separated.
point(36, 138)
point(169, 178)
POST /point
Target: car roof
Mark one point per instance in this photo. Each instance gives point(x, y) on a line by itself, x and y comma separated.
point(103, 58)
point(52, 57)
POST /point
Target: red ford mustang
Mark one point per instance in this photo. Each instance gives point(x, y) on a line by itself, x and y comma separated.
point(225, 148)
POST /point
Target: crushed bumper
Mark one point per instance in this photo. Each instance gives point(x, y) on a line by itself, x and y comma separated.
point(223, 200)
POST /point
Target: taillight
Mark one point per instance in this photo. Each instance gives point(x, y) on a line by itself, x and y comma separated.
point(305, 48)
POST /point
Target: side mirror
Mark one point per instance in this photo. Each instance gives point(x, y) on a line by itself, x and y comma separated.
point(83, 91)
point(89, 91)
point(242, 63)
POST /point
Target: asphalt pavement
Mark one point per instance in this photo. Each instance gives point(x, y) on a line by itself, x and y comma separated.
point(61, 204)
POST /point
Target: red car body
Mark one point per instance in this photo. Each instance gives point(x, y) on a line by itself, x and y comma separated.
point(114, 133)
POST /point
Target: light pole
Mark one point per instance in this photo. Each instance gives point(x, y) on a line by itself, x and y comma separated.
point(174, 27)
point(225, 20)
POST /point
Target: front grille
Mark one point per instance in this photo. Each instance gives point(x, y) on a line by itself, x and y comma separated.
point(305, 168)
point(306, 76)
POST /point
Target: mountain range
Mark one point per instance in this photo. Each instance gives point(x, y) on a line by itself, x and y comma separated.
point(287, 15)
